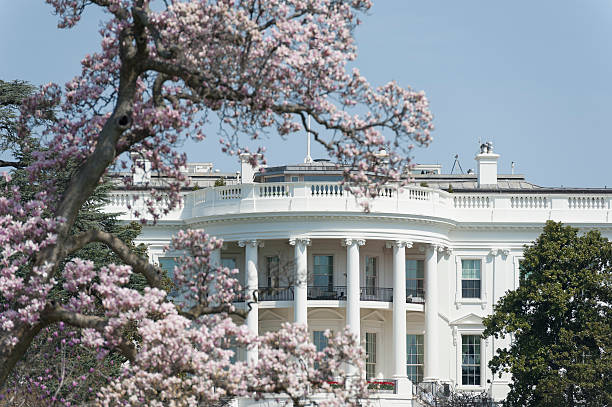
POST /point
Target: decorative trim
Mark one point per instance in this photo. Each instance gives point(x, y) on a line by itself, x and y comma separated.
point(349, 241)
point(293, 241)
point(499, 252)
point(399, 244)
point(446, 251)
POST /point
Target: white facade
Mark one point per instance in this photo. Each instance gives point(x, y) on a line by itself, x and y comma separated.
point(413, 278)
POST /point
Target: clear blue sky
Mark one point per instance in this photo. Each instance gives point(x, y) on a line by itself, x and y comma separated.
point(534, 77)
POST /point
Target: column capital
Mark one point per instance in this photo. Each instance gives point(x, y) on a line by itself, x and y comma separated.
point(293, 241)
point(251, 242)
point(349, 241)
point(499, 252)
point(399, 244)
point(445, 250)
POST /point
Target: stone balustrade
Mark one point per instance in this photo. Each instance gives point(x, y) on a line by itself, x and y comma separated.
point(411, 200)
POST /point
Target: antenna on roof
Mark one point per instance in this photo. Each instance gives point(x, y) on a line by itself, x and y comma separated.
point(512, 166)
point(308, 158)
point(457, 163)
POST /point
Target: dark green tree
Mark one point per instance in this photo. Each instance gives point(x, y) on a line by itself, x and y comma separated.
point(560, 322)
point(70, 371)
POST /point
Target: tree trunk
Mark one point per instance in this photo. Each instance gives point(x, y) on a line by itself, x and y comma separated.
point(10, 356)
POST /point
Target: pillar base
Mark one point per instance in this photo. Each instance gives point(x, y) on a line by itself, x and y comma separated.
point(403, 386)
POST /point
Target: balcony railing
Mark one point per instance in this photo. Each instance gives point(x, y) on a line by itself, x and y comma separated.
point(326, 292)
point(275, 294)
point(415, 295)
point(376, 294)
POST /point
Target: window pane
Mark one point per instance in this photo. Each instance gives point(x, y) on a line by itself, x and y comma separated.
point(470, 269)
point(470, 360)
point(470, 278)
point(370, 355)
point(371, 272)
point(415, 269)
point(323, 271)
point(319, 340)
point(228, 262)
point(272, 271)
point(167, 264)
point(414, 357)
point(414, 278)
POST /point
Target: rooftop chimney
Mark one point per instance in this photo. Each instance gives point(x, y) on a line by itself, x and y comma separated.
point(487, 165)
point(247, 172)
point(142, 169)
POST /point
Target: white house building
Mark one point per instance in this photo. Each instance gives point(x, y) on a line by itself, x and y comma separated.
point(413, 278)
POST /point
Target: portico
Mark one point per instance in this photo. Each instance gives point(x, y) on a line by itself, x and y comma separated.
point(355, 276)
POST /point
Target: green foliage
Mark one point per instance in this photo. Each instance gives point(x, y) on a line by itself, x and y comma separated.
point(424, 184)
point(70, 370)
point(220, 182)
point(561, 322)
point(11, 95)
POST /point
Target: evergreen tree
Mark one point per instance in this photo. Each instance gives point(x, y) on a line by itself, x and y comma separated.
point(57, 368)
point(560, 322)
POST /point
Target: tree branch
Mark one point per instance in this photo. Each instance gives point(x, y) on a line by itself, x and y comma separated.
point(140, 265)
point(57, 313)
point(16, 164)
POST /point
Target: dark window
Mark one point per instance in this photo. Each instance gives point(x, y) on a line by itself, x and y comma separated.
point(323, 271)
point(370, 355)
point(415, 356)
point(272, 271)
point(415, 273)
point(470, 360)
point(470, 278)
point(371, 274)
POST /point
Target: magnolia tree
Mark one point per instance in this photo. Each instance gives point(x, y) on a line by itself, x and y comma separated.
point(165, 69)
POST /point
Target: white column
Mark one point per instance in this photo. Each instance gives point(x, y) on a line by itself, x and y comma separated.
point(399, 307)
point(353, 312)
point(431, 315)
point(252, 282)
point(300, 293)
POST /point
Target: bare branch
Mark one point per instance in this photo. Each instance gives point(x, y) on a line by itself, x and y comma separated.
point(16, 164)
point(139, 264)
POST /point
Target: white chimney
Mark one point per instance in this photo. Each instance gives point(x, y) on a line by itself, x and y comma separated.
point(142, 169)
point(247, 172)
point(487, 165)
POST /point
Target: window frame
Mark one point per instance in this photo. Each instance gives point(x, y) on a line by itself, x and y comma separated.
point(417, 364)
point(477, 366)
point(484, 267)
point(331, 282)
point(375, 277)
point(470, 329)
point(271, 280)
point(422, 288)
point(376, 352)
point(472, 279)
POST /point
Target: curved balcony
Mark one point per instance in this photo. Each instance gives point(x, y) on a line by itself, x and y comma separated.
point(477, 206)
point(275, 293)
point(338, 293)
point(308, 196)
point(376, 294)
point(326, 292)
